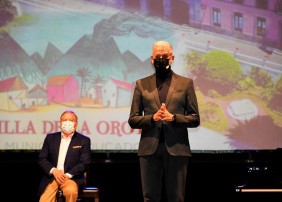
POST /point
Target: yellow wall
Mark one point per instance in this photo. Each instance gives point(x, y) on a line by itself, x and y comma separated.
point(4, 101)
point(12, 106)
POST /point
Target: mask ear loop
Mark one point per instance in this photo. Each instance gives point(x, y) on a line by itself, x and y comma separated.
point(169, 62)
point(168, 66)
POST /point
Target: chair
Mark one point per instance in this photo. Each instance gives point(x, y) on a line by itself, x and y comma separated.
point(89, 193)
point(86, 193)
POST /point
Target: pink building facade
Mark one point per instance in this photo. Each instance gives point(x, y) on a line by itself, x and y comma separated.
point(63, 88)
point(255, 20)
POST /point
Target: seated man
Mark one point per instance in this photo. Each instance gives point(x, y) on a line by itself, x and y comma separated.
point(64, 158)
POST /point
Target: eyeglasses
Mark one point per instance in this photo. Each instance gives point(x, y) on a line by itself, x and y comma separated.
point(73, 120)
point(164, 56)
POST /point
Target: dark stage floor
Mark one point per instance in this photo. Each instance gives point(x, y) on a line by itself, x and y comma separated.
point(213, 176)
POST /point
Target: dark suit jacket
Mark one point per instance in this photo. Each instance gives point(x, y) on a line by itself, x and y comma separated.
point(181, 101)
point(77, 160)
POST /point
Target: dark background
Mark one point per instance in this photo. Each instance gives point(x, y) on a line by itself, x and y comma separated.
point(211, 176)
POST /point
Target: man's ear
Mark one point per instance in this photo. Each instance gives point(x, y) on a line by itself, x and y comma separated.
point(152, 59)
point(172, 59)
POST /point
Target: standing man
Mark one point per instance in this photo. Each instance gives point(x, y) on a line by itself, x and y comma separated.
point(64, 158)
point(164, 105)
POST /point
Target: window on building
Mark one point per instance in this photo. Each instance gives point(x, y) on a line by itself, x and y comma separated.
point(261, 26)
point(238, 2)
point(238, 22)
point(279, 6)
point(216, 17)
point(262, 4)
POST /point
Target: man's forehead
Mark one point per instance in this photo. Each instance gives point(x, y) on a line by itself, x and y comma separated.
point(68, 115)
point(162, 47)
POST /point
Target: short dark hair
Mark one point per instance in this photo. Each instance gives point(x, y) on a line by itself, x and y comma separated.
point(69, 111)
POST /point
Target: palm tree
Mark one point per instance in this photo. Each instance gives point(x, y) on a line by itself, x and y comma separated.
point(97, 82)
point(84, 73)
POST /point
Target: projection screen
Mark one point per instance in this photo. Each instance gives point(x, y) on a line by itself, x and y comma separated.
point(86, 56)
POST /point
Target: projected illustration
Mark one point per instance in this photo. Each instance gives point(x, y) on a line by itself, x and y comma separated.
point(85, 56)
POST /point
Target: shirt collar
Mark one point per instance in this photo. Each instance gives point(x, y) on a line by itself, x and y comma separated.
point(64, 137)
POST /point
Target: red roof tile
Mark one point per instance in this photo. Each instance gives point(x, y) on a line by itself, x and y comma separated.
point(122, 84)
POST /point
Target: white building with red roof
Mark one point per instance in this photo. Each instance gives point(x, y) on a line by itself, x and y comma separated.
point(117, 93)
point(13, 94)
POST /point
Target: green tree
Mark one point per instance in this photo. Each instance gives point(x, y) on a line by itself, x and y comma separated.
point(246, 84)
point(6, 12)
point(261, 77)
point(196, 63)
point(222, 68)
point(260, 132)
point(275, 101)
point(279, 85)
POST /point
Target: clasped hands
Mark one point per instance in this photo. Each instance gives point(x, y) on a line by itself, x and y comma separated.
point(60, 176)
point(163, 115)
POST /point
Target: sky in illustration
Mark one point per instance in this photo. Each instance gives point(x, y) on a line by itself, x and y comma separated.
point(86, 57)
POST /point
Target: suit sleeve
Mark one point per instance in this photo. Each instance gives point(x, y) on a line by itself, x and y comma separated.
point(43, 160)
point(136, 118)
point(191, 118)
point(84, 161)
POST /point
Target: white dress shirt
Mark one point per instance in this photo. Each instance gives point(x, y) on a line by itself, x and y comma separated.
point(65, 142)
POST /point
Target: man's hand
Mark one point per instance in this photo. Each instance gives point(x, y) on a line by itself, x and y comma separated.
point(60, 176)
point(159, 115)
point(163, 114)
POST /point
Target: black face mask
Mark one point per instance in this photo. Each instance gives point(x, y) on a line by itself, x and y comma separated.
point(162, 66)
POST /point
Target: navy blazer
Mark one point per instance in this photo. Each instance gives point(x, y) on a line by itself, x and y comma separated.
point(78, 158)
point(181, 100)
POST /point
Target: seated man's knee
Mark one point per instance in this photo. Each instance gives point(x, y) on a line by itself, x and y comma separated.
point(70, 190)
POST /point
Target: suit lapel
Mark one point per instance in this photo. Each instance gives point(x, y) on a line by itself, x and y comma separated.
point(57, 144)
point(171, 88)
point(68, 155)
point(155, 90)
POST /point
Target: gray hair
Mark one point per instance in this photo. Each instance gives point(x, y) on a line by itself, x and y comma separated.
point(69, 111)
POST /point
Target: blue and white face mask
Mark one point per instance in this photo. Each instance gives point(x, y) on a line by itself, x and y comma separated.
point(68, 127)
